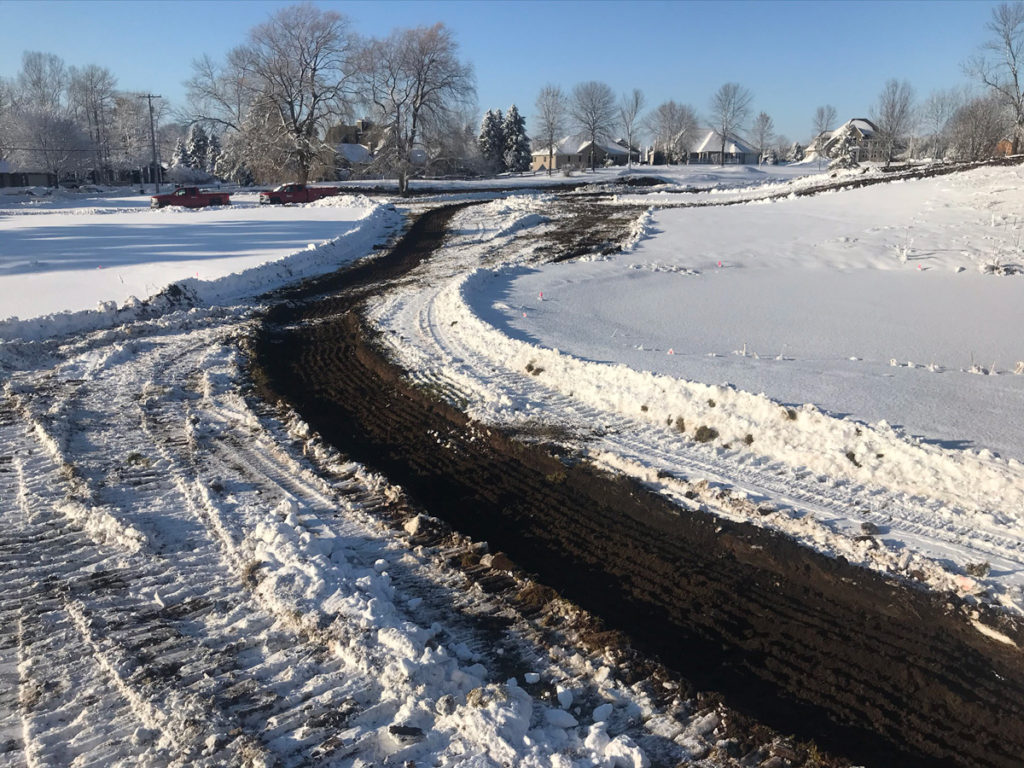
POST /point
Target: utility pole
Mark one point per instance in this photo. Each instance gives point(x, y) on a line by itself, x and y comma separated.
point(152, 140)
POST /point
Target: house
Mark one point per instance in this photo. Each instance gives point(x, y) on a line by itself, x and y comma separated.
point(869, 145)
point(349, 134)
point(579, 152)
point(11, 177)
point(737, 152)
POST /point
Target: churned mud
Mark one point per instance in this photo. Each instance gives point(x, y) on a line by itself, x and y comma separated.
point(874, 671)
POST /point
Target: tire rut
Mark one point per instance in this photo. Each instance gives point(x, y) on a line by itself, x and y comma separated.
point(872, 670)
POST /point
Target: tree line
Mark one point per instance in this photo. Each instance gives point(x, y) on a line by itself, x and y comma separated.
point(264, 112)
point(74, 122)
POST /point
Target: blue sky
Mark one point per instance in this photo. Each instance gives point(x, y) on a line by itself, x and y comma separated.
point(793, 56)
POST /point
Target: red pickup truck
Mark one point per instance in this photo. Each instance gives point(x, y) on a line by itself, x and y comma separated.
point(190, 197)
point(296, 193)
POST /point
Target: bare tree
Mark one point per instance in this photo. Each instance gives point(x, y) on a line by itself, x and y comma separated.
point(451, 142)
point(550, 118)
point(673, 127)
point(299, 58)
point(409, 80)
point(977, 127)
point(1000, 66)
point(43, 82)
point(50, 141)
point(629, 112)
point(824, 119)
point(763, 131)
point(593, 111)
point(935, 113)
point(222, 94)
point(290, 79)
point(130, 129)
point(894, 114)
point(730, 108)
point(6, 117)
point(91, 94)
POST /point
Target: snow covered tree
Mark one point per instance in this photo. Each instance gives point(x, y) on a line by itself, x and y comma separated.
point(196, 145)
point(517, 143)
point(796, 153)
point(179, 158)
point(291, 79)
point(844, 152)
point(411, 82)
point(232, 163)
point(212, 153)
point(492, 141)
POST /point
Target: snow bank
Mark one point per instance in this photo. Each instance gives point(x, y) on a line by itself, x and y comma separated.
point(374, 222)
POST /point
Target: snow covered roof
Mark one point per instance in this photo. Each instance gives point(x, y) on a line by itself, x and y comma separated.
point(354, 153)
point(733, 146)
point(862, 124)
point(577, 145)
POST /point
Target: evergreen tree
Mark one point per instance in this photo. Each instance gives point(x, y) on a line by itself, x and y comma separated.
point(796, 153)
point(196, 147)
point(517, 143)
point(179, 158)
point(492, 141)
point(844, 152)
point(212, 154)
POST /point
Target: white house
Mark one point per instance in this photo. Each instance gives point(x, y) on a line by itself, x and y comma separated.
point(865, 132)
point(736, 151)
point(575, 152)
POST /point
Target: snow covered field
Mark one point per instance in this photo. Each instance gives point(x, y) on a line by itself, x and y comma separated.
point(190, 581)
point(69, 252)
point(886, 359)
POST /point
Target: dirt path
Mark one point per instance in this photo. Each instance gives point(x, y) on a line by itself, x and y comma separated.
point(809, 645)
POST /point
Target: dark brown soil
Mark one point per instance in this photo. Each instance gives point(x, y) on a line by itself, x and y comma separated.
point(872, 670)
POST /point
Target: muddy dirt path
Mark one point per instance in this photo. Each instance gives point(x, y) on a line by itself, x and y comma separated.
point(872, 671)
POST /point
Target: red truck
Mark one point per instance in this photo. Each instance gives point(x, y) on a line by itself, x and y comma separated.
point(190, 197)
point(296, 193)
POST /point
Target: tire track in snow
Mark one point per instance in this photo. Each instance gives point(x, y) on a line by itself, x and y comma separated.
point(450, 364)
point(158, 642)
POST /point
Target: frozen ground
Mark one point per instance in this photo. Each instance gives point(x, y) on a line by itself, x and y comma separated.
point(190, 580)
point(856, 314)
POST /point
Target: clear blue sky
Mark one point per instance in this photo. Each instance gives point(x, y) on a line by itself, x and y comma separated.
point(793, 56)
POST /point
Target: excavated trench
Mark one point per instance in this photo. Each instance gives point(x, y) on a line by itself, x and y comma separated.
point(871, 670)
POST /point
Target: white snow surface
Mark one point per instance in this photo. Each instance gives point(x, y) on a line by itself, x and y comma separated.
point(68, 254)
point(192, 582)
point(853, 336)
